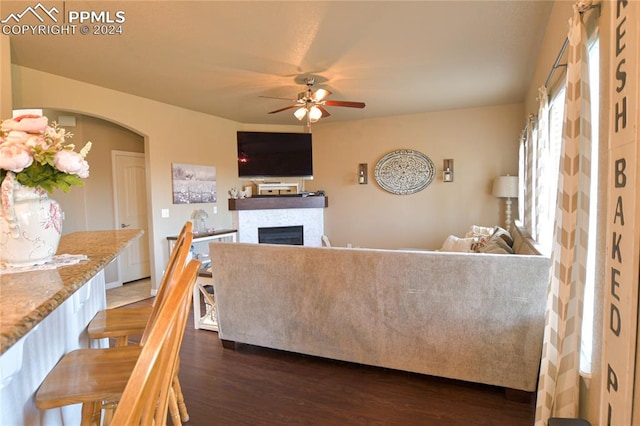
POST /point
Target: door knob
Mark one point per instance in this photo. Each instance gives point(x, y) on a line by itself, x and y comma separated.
point(122, 225)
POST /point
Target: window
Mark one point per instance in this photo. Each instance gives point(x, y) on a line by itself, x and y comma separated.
point(550, 177)
point(539, 164)
point(547, 159)
point(587, 320)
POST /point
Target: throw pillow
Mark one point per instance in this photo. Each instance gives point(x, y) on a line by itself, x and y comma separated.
point(497, 246)
point(504, 234)
point(480, 235)
point(477, 230)
point(453, 243)
point(478, 243)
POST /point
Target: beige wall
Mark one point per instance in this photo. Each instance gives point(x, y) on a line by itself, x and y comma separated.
point(483, 143)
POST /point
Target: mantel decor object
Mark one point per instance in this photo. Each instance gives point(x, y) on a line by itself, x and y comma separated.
point(34, 160)
point(404, 172)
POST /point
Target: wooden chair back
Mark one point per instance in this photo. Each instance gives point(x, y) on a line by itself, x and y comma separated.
point(177, 261)
point(145, 398)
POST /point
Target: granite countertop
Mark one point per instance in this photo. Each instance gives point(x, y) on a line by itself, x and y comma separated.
point(26, 298)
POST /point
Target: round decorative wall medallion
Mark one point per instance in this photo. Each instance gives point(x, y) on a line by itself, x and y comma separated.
point(404, 172)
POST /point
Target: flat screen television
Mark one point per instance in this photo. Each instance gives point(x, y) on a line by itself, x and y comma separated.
point(274, 155)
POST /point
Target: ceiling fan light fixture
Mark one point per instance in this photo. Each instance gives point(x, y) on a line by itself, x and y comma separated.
point(300, 113)
point(311, 104)
point(315, 114)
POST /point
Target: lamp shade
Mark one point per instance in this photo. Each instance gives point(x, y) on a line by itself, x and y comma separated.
point(505, 187)
point(315, 114)
point(300, 113)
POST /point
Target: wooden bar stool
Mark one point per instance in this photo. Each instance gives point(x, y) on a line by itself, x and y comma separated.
point(144, 400)
point(120, 324)
point(97, 377)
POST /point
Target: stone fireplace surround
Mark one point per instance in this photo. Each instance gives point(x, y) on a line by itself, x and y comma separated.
point(249, 214)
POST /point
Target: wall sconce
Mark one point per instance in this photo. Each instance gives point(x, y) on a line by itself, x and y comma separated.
point(362, 173)
point(447, 172)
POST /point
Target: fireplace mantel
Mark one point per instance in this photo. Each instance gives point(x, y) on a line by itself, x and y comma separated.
point(275, 202)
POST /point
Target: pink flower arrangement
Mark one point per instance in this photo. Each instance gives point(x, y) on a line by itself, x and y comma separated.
point(38, 154)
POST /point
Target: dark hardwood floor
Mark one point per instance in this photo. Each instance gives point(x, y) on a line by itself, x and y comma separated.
point(258, 386)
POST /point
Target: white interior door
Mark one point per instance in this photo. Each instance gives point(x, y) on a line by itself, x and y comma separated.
point(130, 201)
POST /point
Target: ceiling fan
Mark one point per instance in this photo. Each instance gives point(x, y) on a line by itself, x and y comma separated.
point(311, 104)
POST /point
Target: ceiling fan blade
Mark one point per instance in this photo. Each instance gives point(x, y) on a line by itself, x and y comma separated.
point(276, 97)
point(345, 104)
point(283, 109)
point(319, 95)
point(325, 113)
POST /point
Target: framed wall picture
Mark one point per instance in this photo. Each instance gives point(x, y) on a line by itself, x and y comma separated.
point(194, 184)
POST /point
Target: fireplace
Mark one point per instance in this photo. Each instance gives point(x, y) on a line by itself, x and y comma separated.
point(249, 214)
point(292, 235)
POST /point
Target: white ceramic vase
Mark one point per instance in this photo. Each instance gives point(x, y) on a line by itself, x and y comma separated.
point(30, 224)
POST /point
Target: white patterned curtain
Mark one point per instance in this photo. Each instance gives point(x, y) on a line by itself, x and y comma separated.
point(541, 194)
point(521, 173)
point(526, 176)
point(558, 387)
point(533, 146)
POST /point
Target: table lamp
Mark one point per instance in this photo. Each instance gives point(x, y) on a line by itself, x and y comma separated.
point(506, 187)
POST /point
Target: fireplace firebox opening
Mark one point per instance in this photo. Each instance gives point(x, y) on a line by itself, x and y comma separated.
point(292, 235)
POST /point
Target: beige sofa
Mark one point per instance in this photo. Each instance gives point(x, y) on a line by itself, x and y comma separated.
point(469, 316)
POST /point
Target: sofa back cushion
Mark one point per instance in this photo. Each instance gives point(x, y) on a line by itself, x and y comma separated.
point(522, 241)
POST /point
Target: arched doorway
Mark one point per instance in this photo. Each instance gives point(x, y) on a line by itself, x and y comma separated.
point(93, 206)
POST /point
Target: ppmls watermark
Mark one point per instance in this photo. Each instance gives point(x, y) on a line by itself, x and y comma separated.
point(40, 20)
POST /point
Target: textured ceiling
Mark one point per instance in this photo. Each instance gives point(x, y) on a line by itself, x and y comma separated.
point(219, 57)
